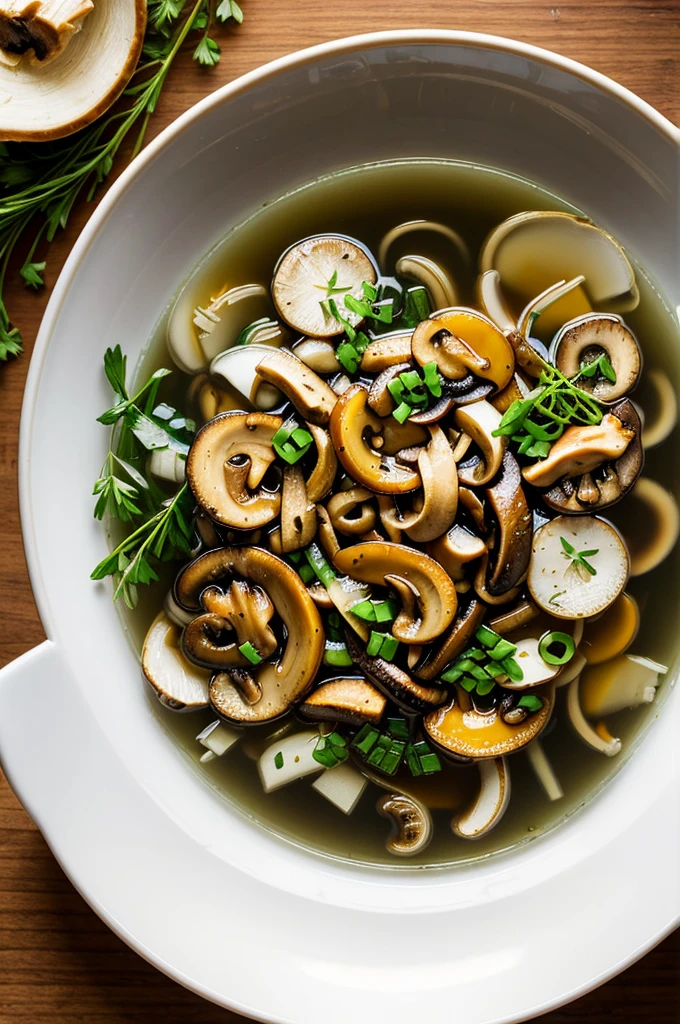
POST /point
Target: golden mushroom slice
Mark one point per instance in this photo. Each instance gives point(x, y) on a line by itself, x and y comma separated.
point(649, 503)
point(656, 396)
point(490, 803)
point(483, 337)
point(310, 395)
point(315, 269)
point(385, 352)
point(45, 98)
point(508, 563)
point(465, 733)
point(569, 246)
point(226, 466)
point(177, 682)
point(322, 476)
point(455, 549)
point(436, 601)
point(265, 690)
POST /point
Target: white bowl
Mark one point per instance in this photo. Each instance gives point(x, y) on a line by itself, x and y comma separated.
point(208, 896)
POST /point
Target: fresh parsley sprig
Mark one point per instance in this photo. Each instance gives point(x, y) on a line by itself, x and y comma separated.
point(39, 184)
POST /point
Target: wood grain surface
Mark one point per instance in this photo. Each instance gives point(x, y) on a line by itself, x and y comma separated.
point(58, 962)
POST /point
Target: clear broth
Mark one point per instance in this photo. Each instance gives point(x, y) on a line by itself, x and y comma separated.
point(365, 203)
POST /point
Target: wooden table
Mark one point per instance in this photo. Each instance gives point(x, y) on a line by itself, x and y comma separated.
point(58, 962)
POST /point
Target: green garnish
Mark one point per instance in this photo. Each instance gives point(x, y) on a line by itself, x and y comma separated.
point(531, 702)
point(410, 391)
point(398, 728)
point(402, 412)
point(512, 670)
point(553, 599)
point(278, 759)
point(336, 654)
point(600, 367)
point(366, 739)
point(321, 568)
point(578, 558)
point(478, 668)
point(291, 442)
point(383, 312)
point(250, 653)
point(306, 573)
point(487, 637)
point(502, 649)
point(332, 288)
point(382, 645)
point(563, 640)
point(331, 750)
point(374, 611)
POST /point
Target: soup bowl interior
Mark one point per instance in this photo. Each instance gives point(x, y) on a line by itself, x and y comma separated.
point(201, 890)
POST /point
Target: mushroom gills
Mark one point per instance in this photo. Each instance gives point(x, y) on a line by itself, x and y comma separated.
point(583, 341)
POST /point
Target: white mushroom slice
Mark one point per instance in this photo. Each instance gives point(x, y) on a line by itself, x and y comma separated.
point(178, 684)
point(175, 612)
point(623, 682)
point(411, 823)
point(583, 341)
point(492, 301)
point(343, 786)
point(560, 583)
point(288, 759)
point(238, 366)
point(543, 771)
point(653, 505)
point(313, 270)
point(538, 305)
point(409, 226)
point(44, 102)
point(568, 246)
point(319, 355)
point(534, 668)
point(659, 406)
point(479, 420)
point(490, 804)
point(432, 276)
point(597, 738)
point(217, 738)
point(167, 465)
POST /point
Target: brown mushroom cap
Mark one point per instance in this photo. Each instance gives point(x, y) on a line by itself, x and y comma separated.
point(483, 337)
point(310, 395)
point(460, 636)
point(455, 549)
point(350, 699)
point(585, 339)
point(264, 691)
point(372, 561)
point(439, 478)
point(513, 544)
point(394, 682)
point(225, 467)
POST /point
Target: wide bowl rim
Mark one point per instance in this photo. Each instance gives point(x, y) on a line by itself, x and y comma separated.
point(97, 222)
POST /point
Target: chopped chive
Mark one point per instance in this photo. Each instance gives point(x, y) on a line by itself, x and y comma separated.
point(295, 557)
point(476, 653)
point(369, 290)
point(379, 750)
point(301, 437)
point(494, 670)
point(512, 670)
point(430, 763)
point(398, 727)
point(250, 653)
point(413, 761)
point(466, 664)
point(479, 673)
point(432, 379)
point(452, 674)
point(411, 379)
point(278, 760)
point(385, 611)
point(389, 647)
point(468, 683)
point(487, 637)
point(366, 739)
point(485, 686)
point(283, 433)
point(336, 654)
point(306, 573)
point(402, 412)
point(421, 747)
point(531, 702)
point(347, 356)
point(364, 610)
point(548, 640)
point(319, 564)
point(336, 740)
point(393, 757)
point(396, 389)
point(502, 649)
point(374, 643)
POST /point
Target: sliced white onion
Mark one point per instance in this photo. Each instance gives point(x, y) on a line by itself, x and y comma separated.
point(544, 771)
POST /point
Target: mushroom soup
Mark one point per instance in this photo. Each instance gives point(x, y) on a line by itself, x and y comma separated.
point(409, 539)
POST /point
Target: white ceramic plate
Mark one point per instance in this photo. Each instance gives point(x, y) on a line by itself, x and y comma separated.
point(206, 895)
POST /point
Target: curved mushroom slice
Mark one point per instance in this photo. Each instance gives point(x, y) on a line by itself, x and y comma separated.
point(349, 512)
point(394, 682)
point(265, 691)
point(538, 306)
point(351, 422)
point(569, 246)
point(310, 395)
point(624, 682)
point(298, 513)
point(457, 639)
point(611, 633)
point(598, 738)
point(583, 342)
point(463, 732)
point(534, 669)
point(651, 504)
point(317, 354)
point(226, 465)
point(455, 549)
point(656, 395)
point(599, 466)
point(372, 561)
point(411, 821)
point(432, 276)
point(480, 584)
point(578, 567)
point(511, 555)
point(379, 398)
point(489, 805)
point(238, 366)
point(322, 476)
point(492, 301)
point(439, 478)
point(483, 337)
point(305, 273)
point(543, 771)
point(352, 700)
point(178, 684)
point(479, 421)
point(432, 342)
point(240, 609)
point(385, 352)
point(410, 226)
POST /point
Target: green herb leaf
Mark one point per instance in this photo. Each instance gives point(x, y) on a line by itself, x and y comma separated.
point(531, 702)
point(569, 548)
point(207, 52)
point(32, 274)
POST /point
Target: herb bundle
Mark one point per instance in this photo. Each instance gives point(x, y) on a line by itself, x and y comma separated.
point(40, 183)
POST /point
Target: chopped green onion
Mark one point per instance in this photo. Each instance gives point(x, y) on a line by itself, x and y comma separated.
point(347, 356)
point(278, 760)
point(396, 389)
point(369, 290)
point(250, 653)
point(295, 557)
point(283, 433)
point(366, 739)
point(374, 643)
point(494, 670)
point(432, 379)
point(398, 728)
point(502, 649)
point(402, 412)
point(452, 674)
point(301, 437)
point(364, 610)
point(336, 654)
point(512, 670)
point(306, 573)
point(487, 637)
point(393, 757)
point(531, 702)
point(413, 761)
point(468, 683)
point(476, 653)
point(430, 763)
point(479, 673)
point(379, 750)
point(389, 647)
point(385, 611)
point(319, 564)
point(485, 686)
point(549, 656)
point(411, 379)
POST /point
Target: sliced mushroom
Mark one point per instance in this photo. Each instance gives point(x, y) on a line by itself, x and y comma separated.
point(298, 513)
point(455, 549)
point(411, 824)
point(543, 771)
point(562, 586)
point(433, 277)
point(585, 340)
point(351, 423)
point(270, 689)
point(480, 584)
point(624, 682)
point(317, 354)
point(489, 805)
point(238, 366)
point(322, 476)
point(463, 732)
point(517, 617)
point(479, 333)
point(310, 395)
point(455, 358)
point(469, 619)
point(541, 304)
point(178, 684)
point(612, 632)
point(492, 301)
point(651, 504)
point(303, 276)
point(478, 421)
point(569, 246)
point(534, 669)
point(239, 609)
point(515, 391)
point(475, 506)
point(439, 500)
point(394, 682)
point(288, 759)
point(659, 405)
point(352, 700)
point(350, 512)
point(226, 466)
point(217, 738)
point(379, 398)
point(410, 226)
point(513, 545)
point(384, 352)
point(599, 465)
point(598, 738)
point(344, 786)
point(372, 561)
point(208, 398)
